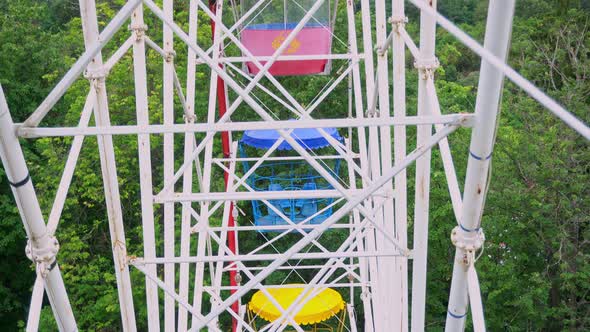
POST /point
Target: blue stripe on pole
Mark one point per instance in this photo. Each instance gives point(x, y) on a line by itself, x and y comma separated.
point(456, 316)
point(480, 158)
point(468, 230)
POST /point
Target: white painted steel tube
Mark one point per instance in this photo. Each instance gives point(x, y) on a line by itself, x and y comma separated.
point(187, 179)
point(119, 53)
point(422, 181)
point(251, 196)
point(30, 211)
point(497, 38)
point(70, 166)
point(145, 165)
point(109, 169)
point(168, 117)
point(293, 57)
point(475, 300)
point(393, 293)
point(447, 158)
point(399, 153)
point(36, 304)
point(455, 119)
point(370, 302)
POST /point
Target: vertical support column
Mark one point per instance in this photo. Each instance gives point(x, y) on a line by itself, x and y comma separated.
point(497, 38)
point(138, 28)
point(426, 65)
point(398, 18)
point(225, 144)
point(376, 298)
point(392, 291)
point(95, 73)
point(366, 263)
point(30, 212)
point(168, 94)
point(207, 164)
point(187, 179)
point(227, 222)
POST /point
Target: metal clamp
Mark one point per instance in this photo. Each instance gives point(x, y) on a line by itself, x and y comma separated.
point(97, 74)
point(427, 67)
point(169, 56)
point(468, 241)
point(43, 256)
point(372, 113)
point(189, 118)
point(398, 21)
point(138, 30)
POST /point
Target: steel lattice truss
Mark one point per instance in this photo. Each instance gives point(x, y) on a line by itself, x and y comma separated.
point(370, 206)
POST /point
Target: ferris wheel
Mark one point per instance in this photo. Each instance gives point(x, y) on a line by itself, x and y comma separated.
point(283, 206)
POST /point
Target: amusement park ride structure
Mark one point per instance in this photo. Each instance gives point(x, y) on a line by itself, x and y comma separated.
point(368, 208)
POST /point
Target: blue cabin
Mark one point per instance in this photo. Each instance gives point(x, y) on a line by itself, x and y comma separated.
point(289, 173)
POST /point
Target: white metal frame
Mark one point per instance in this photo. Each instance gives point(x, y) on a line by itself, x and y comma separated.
point(370, 207)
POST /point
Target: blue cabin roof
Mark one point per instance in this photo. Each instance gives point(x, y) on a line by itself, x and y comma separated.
point(309, 138)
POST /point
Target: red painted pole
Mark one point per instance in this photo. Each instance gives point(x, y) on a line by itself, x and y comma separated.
point(225, 143)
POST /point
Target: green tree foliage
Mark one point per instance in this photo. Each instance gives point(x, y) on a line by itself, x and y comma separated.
point(535, 269)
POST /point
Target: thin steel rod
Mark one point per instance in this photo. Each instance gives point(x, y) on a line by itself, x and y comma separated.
point(286, 158)
point(168, 167)
point(70, 166)
point(252, 196)
point(275, 227)
point(426, 65)
point(475, 300)
point(447, 158)
point(36, 305)
point(288, 286)
point(292, 58)
point(203, 236)
point(399, 153)
point(289, 267)
point(109, 167)
point(119, 53)
point(452, 119)
point(393, 291)
point(261, 257)
point(409, 43)
point(372, 311)
point(187, 179)
point(145, 165)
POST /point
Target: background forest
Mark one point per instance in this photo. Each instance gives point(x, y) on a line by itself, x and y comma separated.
point(535, 271)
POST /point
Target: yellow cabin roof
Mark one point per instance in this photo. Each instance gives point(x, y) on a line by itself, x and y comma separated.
point(320, 308)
